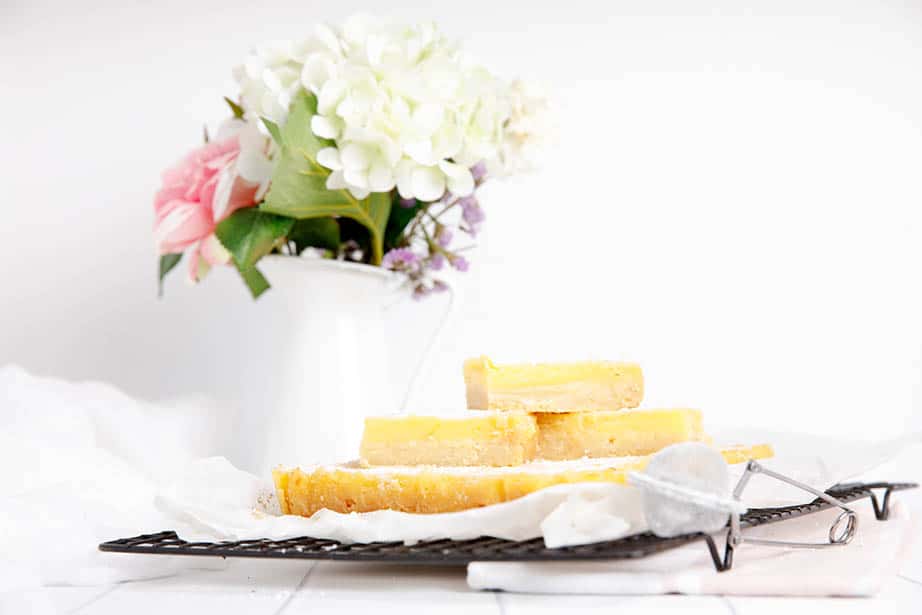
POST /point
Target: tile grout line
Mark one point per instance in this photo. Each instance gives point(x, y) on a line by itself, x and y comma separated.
point(118, 584)
point(297, 589)
point(500, 601)
point(94, 599)
point(910, 579)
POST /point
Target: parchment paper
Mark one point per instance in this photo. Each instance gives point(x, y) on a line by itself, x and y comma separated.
point(215, 501)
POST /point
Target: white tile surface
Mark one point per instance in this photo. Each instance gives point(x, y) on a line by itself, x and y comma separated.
point(246, 586)
point(340, 587)
point(268, 587)
point(50, 600)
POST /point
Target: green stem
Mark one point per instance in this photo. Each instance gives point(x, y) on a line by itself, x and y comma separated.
point(376, 250)
point(415, 223)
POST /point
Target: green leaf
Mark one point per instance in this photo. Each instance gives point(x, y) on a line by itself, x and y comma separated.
point(298, 188)
point(167, 262)
point(273, 129)
point(249, 234)
point(255, 281)
point(397, 223)
point(315, 233)
point(235, 108)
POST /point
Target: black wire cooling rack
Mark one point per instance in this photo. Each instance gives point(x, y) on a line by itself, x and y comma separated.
point(457, 552)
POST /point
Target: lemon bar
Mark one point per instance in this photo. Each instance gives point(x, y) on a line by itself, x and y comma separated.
point(475, 439)
point(552, 387)
point(430, 489)
point(613, 433)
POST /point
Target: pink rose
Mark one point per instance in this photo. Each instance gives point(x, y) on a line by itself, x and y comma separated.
point(197, 193)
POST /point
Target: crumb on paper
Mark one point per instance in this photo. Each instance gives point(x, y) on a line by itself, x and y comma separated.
point(267, 504)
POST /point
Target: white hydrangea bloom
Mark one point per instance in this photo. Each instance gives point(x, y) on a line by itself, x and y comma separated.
point(402, 110)
point(268, 79)
point(272, 74)
point(401, 105)
point(526, 134)
point(483, 113)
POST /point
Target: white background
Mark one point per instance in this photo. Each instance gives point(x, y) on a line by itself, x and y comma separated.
point(733, 201)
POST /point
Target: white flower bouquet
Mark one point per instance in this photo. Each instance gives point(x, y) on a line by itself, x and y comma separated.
point(365, 142)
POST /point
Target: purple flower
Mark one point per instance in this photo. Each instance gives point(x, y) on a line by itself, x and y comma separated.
point(439, 286)
point(470, 211)
point(460, 263)
point(399, 258)
point(479, 171)
point(420, 292)
point(444, 237)
point(407, 203)
point(436, 262)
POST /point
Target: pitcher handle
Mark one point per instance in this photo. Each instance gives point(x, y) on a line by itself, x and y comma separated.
point(427, 351)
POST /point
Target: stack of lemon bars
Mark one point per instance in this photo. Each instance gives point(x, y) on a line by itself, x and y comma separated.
point(528, 427)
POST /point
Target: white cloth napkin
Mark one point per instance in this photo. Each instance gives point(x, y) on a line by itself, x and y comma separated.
point(857, 569)
point(79, 464)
